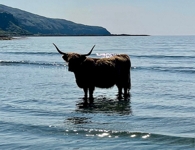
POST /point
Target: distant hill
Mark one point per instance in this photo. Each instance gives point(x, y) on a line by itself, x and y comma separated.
point(9, 24)
point(19, 22)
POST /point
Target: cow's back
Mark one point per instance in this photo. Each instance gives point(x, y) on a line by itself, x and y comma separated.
point(103, 72)
point(111, 71)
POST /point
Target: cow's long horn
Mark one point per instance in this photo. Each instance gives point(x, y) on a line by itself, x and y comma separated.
point(89, 52)
point(59, 50)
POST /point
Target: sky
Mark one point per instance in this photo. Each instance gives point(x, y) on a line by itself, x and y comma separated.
point(152, 17)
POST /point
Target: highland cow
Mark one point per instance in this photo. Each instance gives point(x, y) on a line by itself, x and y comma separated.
point(99, 72)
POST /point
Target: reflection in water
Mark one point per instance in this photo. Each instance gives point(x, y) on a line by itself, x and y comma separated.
point(82, 123)
point(106, 105)
point(78, 120)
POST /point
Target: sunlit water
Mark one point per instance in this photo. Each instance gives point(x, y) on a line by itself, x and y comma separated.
point(41, 106)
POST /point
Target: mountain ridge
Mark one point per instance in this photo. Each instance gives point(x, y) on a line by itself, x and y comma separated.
point(26, 23)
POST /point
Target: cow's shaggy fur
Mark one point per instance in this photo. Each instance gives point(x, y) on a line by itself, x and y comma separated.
point(99, 72)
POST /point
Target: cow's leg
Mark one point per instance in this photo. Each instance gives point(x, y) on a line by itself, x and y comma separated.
point(85, 94)
point(126, 92)
point(91, 89)
point(127, 88)
point(119, 92)
point(127, 85)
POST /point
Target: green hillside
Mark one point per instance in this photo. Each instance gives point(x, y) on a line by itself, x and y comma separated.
point(16, 21)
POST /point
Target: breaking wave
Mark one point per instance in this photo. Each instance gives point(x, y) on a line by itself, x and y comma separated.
point(189, 70)
point(31, 53)
point(26, 62)
point(177, 69)
point(66, 130)
point(105, 55)
point(162, 57)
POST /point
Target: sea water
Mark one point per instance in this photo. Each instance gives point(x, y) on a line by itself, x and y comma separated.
point(41, 106)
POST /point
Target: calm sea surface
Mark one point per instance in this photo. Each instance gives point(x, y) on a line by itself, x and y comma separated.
point(41, 106)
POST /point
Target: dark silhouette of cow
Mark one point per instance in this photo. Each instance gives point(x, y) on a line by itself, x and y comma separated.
point(99, 72)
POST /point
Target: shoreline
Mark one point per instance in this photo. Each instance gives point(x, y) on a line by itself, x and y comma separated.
point(12, 37)
point(5, 38)
point(94, 35)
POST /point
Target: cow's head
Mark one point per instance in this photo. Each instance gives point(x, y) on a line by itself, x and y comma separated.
point(74, 60)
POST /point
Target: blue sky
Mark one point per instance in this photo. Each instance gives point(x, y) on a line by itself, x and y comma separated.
point(154, 17)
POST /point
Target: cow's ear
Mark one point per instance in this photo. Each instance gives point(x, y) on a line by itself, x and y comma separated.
point(65, 57)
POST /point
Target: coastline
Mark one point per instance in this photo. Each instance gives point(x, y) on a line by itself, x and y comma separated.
point(5, 38)
point(11, 38)
point(90, 35)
